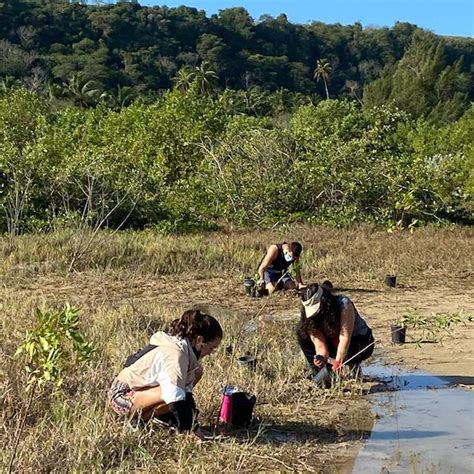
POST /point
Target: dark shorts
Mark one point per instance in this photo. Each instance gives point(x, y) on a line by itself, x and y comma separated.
point(274, 276)
point(120, 397)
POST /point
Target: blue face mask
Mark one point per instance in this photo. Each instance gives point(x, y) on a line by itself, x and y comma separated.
point(288, 257)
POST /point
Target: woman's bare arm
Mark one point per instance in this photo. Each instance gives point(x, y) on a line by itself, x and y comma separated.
point(319, 341)
point(347, 326)
point(271, 254)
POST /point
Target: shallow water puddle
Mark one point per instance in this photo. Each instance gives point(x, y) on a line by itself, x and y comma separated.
point(422, 425)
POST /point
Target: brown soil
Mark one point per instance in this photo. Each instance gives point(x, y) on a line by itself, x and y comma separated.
point(452, 356)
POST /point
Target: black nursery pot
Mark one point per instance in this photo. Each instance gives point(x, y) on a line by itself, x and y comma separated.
point(250, 286)
point(391, 281)
point(262, 292)
point(242, 409)
point(398, 334)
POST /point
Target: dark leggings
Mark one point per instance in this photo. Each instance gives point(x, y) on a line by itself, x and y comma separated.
point(357, 344)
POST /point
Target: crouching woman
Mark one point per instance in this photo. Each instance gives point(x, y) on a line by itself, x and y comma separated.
point(159, 379)
point(330, 326)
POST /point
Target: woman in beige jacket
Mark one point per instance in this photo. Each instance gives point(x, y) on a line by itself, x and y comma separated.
point(159, 379)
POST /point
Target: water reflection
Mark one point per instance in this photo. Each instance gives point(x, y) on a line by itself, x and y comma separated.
point(422, 425)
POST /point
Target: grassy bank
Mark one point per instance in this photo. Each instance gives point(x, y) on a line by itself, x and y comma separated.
point(298, 425)
point(351, 254)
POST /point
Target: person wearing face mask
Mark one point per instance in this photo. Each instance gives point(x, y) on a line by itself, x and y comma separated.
point(273, 268)
point(158, 380)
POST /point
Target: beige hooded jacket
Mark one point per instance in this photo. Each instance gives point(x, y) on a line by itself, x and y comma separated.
point(172, 365)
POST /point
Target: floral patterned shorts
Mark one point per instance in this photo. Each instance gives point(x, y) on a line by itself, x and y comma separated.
point(120, 396)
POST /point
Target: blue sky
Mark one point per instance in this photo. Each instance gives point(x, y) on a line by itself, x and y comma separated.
point(445, 17)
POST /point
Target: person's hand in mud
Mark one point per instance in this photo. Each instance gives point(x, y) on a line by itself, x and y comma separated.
point(319, 361)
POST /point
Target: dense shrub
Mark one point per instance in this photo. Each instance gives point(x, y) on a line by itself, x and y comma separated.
point(190, 160)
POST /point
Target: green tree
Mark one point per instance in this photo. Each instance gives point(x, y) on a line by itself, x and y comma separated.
point(130, 45)
point(23, 120)
point(98, 181)
point(323, 72)
point(249, 175)
point(423, 83)
point(184, 78)
point(83, 92)
point(236, 20)
point(213, 51)
point(206, 78)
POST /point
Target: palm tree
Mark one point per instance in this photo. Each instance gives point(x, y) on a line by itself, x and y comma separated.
point(184, 78)
point(323, 71)
point(54, 91)
point(83, 92)
point(125, 95)
point(121, 97)
point(8, 82)
point(206, 78)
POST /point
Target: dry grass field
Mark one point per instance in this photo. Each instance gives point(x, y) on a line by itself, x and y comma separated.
point(128, 285)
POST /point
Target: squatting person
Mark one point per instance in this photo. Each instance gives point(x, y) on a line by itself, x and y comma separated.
point(330, 326)
point(158, 380)
point(273, 268)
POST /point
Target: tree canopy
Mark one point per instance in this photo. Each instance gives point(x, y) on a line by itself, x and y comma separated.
point(76, 51)
point(123, 115)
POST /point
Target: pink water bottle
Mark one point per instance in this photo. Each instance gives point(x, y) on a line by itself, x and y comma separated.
point(226, 405)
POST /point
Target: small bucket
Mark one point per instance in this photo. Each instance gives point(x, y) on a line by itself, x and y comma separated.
point(250, 286)
point(242, 409)
point(391, 281)
point(248, 361)
point(398, 334)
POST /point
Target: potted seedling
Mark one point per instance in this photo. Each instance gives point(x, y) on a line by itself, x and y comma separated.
point(391, 280)
point(398, 330)
point(248, 361)
point(250, 286)
point(411, 319)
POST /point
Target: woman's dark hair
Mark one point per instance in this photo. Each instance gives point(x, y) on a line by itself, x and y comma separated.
point(193, 323)
point(328, 316)
point(296, 249)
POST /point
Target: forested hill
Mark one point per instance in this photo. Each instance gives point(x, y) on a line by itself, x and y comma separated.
point(83, 52)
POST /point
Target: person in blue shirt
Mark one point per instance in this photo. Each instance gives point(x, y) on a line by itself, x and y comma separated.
point(273, 268)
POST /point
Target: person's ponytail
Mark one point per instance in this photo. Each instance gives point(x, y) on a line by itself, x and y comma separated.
point(193, 323)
